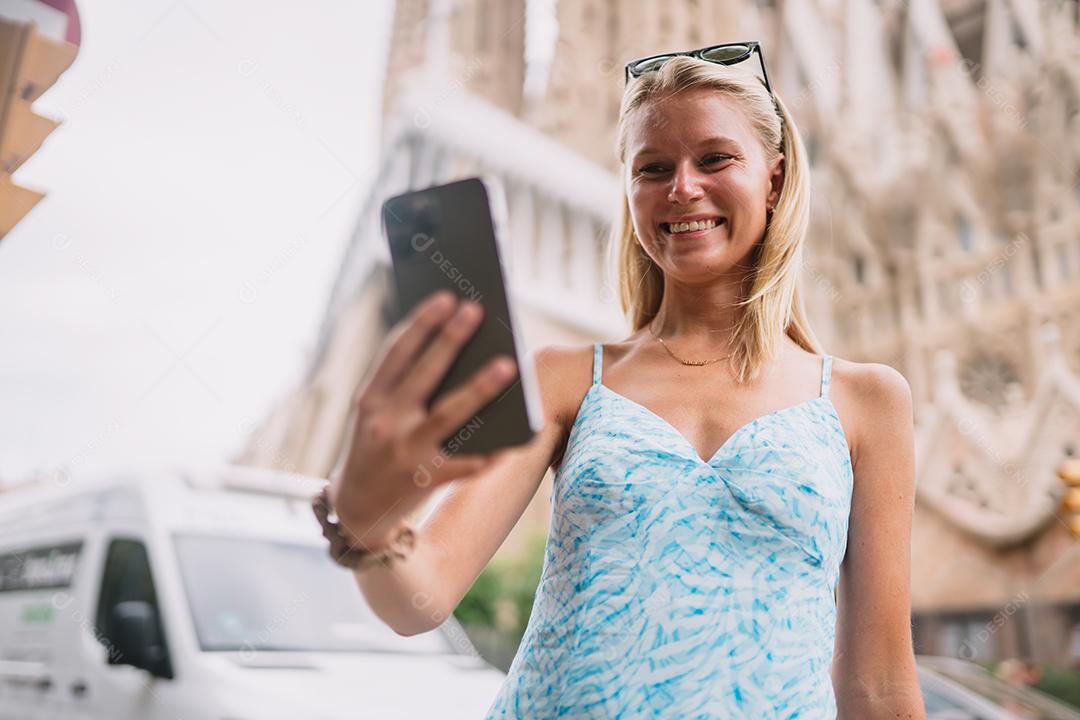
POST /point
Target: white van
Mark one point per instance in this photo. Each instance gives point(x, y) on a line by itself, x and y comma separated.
point(204, 596)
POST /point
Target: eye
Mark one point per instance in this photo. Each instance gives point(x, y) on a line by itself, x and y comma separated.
point(714, 159)
point(651, 169)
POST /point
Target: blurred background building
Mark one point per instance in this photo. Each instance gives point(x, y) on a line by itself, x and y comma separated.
point(945, 242)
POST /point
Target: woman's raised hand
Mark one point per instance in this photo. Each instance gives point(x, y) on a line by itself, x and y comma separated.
point(395, 457)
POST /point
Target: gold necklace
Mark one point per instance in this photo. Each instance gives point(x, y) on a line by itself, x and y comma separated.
point(693, 363)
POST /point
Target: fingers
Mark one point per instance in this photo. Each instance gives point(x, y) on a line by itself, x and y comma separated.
point(437, 357)
point(457, 407)
point(408, 338)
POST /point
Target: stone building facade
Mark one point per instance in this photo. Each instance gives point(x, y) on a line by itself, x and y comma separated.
point(945, 241)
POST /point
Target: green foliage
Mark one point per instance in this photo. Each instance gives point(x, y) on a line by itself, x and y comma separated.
point(496, 608)
point(478, 605)
point(1061, 682)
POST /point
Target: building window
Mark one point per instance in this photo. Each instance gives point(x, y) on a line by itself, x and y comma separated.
point(1074, 646)
point(481, 25)
point(1018, 36)
point(969, 637)
point(963, 233)
point(949, 640)
point(588, 19)
point(945, 296)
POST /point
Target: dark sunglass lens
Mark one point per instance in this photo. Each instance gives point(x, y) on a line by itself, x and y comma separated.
point(649, 64)
point(726, 54)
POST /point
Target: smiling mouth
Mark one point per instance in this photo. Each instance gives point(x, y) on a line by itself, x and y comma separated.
point(681, 228)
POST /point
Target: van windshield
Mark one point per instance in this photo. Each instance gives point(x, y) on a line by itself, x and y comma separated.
point(261, 595)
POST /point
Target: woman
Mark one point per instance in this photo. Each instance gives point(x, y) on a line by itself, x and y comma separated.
point(729, 539)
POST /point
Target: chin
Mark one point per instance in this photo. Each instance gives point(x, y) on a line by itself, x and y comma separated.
point(703, 263)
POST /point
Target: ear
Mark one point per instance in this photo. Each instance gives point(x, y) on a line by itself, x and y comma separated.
point(776, 181)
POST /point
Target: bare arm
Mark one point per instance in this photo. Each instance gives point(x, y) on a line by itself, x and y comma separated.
point(874, 665)
point(470, 521)
point(458, 539)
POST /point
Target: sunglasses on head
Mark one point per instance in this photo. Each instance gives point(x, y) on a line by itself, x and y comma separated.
point(726, 54)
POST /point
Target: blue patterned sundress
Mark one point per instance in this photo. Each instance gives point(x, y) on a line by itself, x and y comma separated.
point(678, 588)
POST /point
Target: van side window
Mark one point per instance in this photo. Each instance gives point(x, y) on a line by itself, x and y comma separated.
point(41, 568)
point(127, 577)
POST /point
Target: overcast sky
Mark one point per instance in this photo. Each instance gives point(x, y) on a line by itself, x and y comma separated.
point(168, 290)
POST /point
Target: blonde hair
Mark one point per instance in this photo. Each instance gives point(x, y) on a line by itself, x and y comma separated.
point(772, 301)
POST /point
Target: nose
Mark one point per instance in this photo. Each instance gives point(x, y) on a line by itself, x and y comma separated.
point(685, 185)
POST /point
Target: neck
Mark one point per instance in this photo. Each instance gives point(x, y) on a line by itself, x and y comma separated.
point(698, 317)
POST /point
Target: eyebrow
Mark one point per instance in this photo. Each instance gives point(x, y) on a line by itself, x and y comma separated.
point(717, 140)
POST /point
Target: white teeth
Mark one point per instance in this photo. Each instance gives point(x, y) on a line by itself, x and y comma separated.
point(692, 226)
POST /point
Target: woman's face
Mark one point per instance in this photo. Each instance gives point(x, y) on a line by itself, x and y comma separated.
point(694, 158)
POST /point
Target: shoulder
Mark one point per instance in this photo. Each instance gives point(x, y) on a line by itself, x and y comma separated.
point(873, 382)
point(875, 400)
point(564, 374)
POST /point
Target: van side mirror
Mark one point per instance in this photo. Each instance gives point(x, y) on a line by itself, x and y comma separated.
point(136, 640)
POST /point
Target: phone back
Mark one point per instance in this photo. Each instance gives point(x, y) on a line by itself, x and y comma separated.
point(444, 237)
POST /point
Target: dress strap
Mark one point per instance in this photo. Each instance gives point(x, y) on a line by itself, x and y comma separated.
point(826, 373)
point(597, 363)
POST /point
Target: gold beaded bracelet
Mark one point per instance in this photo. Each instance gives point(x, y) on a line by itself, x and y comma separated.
point(355, 558)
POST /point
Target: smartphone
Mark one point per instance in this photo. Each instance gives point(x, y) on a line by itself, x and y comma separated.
point(446, 237)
